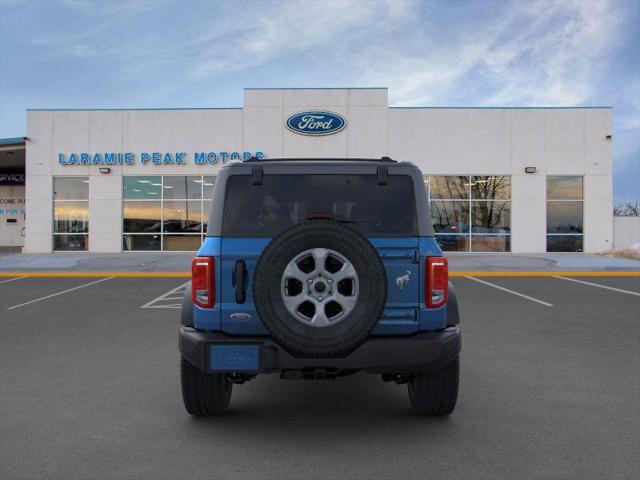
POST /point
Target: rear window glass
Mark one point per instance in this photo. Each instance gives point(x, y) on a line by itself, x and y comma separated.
point(286, 200)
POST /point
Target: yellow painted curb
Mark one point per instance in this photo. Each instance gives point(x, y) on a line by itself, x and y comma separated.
point(544, 274)
point(97, 274)
point(188, 274)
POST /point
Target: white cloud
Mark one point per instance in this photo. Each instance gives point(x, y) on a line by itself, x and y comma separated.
point(562, 56)
point(528, 53)
point(540, 53)
point(272, 30)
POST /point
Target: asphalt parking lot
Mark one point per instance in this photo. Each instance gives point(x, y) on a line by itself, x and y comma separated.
point(90, 390)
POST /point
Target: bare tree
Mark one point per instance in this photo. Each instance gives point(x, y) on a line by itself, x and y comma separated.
point(628, 209)
point(489, 214)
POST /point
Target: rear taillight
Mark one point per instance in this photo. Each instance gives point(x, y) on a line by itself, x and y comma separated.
point(437, 281)
point(202, 281)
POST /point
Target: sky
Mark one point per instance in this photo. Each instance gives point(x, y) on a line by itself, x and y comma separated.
point(137, 53)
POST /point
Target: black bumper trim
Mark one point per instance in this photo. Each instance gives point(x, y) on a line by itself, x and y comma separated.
point(421, 352)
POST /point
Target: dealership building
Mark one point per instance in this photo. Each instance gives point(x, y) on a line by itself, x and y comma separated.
point(522, 180)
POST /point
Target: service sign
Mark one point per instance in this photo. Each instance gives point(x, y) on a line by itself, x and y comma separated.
point(11, 178)
point(315, 123)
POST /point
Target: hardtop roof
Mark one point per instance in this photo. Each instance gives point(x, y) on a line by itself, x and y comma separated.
point(254, 161)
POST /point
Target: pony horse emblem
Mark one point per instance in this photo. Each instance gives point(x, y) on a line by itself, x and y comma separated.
point(402, 280)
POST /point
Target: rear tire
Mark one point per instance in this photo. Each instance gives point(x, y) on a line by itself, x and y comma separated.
point(204, 394)
point(435, 394)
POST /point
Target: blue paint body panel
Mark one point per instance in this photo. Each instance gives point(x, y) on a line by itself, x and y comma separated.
point(405, 312)
point(211, 247)
point(234, 357)
point(400, 257)
point(248, 250)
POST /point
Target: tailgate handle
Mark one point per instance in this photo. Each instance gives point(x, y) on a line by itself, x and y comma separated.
point(239, 282)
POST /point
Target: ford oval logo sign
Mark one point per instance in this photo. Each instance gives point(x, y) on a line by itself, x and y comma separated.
point(316, 123)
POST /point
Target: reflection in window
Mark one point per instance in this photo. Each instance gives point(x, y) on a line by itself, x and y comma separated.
point(491, 243)
point(165, 212)
point(71, 188)
point(564, 243)
point(564, 188)
point(70, 213)
point(182, 216)
point(564, 214)
point(182, 187)
point(143, 188)
point(451, 187)
point(454, 243)
point(140, 242)
point(491, 217)
point(564, 217)
point(496, 187)
point(450, 217)
point(69, 242)
point(206, 208)
point(182, 243)
point(208, 182)
point(71, 217)
point(471, 212)
point(141, 217)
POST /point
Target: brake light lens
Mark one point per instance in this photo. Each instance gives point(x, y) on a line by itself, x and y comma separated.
point(437, 281)
point(202, 281)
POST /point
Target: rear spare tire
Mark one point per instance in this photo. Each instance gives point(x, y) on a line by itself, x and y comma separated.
point(320, 288)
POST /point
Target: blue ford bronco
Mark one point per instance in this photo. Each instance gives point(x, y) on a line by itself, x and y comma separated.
point(317, 269)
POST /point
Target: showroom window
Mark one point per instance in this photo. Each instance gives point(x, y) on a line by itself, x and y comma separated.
point(165, 212)
point(471, 213)
point(564, 214)
point(70, 213)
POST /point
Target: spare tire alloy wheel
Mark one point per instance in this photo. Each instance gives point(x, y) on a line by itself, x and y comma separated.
point(319, 287)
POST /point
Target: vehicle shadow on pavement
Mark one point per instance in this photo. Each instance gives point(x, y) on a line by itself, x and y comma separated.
point(360, 402)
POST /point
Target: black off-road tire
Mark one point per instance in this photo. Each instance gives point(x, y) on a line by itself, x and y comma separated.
point(204, 394)
point(435, 394)
point(343, 336)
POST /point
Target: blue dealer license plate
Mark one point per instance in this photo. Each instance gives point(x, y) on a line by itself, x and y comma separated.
point(234, 357)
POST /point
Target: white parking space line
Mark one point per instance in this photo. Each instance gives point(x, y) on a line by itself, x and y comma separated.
point(170, 299)
point(522, 295)
point(629, 292)
point(59, 293)
point(11, 279)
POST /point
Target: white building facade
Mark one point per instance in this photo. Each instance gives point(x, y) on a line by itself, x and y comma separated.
point(522, 180)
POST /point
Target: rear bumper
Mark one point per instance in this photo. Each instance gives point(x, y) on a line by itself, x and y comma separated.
point(421, 352)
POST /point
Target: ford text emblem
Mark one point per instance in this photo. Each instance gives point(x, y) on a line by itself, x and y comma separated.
point(316, 123)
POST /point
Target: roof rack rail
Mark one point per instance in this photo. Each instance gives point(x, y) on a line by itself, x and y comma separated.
point(262, 160)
